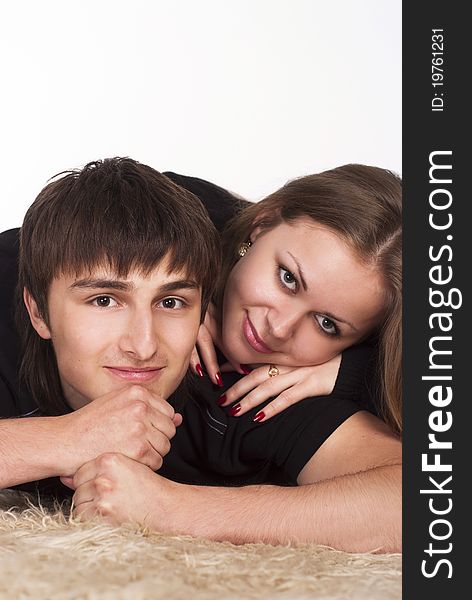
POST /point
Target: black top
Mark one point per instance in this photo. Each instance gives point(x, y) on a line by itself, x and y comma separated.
point(213, 448)
point(210, 447)
point(14, 400)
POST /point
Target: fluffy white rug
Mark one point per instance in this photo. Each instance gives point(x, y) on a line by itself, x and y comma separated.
point(44, 555)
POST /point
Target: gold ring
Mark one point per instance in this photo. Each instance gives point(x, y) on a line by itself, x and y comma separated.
point(273, 371)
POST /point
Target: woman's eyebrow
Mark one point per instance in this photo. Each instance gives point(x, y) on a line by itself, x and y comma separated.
point(335, 318)
point(300, 271)
point(305, 287)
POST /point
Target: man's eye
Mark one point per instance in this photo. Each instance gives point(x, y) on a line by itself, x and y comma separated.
point(104, 302)
point(172, 303)
point(288, 279)
point(327, 325)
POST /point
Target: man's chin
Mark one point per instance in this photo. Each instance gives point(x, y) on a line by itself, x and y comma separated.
point(77, 399)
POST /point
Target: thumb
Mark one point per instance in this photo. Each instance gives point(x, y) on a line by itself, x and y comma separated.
point(177, 419)
point(68, 481)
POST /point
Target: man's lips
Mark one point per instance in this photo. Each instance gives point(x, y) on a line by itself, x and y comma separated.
point(135, 374)
point(253, 339)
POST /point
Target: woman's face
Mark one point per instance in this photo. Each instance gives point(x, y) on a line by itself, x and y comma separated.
point(298, 297)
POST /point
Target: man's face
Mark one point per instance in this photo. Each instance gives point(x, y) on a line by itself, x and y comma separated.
point(109, 333)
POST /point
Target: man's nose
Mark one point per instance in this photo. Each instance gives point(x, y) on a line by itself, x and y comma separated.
point(140, 338)
point(283, 323)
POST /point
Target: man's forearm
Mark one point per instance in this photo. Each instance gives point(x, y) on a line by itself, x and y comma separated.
point(132, 421)
point(30, 449)
point(355, 513)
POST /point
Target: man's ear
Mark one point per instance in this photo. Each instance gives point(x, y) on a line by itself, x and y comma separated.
point(36, 319)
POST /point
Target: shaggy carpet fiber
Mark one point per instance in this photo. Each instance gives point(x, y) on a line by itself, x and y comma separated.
point(45, 555)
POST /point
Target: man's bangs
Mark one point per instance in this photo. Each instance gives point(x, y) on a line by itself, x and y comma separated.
point(122, 254)
point(196, 264)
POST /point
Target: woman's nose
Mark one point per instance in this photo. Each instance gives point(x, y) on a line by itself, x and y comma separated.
point(283, 323)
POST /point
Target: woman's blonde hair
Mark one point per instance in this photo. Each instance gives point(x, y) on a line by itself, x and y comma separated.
point(363, 204)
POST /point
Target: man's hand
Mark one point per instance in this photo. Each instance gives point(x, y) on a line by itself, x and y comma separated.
point(132, 421)
point(360, 512)
point(122, 490)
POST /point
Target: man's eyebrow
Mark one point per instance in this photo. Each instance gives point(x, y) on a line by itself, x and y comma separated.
point(181, 284)
point(305, 287)
point(128, 286)
point(102, 284)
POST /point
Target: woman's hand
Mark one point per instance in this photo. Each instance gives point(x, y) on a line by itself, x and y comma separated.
point(204, 353)
point(291, 385)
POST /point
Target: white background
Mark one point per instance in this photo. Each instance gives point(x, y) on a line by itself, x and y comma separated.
point(245, 93)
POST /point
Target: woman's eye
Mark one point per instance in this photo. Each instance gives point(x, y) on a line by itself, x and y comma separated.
point(104, 302)
point(288, 279)
point(172, 303)
point(327, 325)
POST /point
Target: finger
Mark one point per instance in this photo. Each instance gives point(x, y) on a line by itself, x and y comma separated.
point(287, 398)
point(86, 472)
point(158, 446)
point(159, 404)
point(196, 363)
point(271, 388)
point(143, 396)
point(86, 511)
point(94, 509)
point(207, 352)
point(242, 387)
point(162, 424)
point(84, 493)
point(177, 420)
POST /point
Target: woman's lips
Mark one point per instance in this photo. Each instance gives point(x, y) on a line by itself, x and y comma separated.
point(253, 338)
point(135, 375)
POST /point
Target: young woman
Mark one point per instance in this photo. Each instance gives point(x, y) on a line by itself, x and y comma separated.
point(309, 271)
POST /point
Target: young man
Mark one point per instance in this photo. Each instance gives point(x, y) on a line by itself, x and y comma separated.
point(117, 265)
point(121, 307)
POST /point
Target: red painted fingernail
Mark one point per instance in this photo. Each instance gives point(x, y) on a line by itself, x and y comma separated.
point(245, 369)
point(199, 370)
point(219, 381)
point(234, 411)
point(260, 415)
point(221, 400)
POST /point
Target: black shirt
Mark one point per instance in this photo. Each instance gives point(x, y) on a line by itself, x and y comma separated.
point(14, 400)
point(210, 447)
point(213, 448)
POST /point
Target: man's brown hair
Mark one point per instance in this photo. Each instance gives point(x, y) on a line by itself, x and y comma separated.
point(115, 212)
